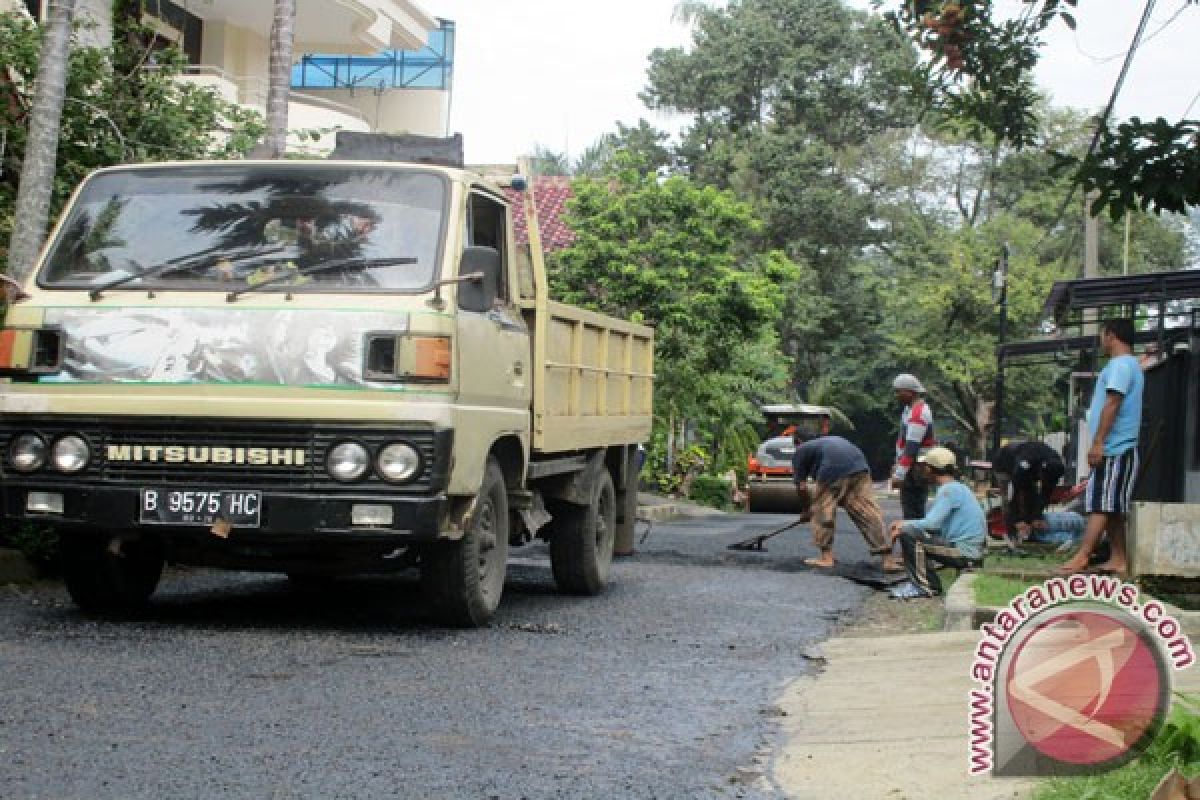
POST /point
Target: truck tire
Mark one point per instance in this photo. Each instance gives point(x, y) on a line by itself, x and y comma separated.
point(463, 580)
point(100, 580)
point(581, 540)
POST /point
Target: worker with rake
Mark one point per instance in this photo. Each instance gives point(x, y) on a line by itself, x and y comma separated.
point(843, 480)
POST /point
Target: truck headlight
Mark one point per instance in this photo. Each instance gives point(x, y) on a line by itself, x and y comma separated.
point(27, 452)
point(347, 461)
point(398, 462)
point(70, 453)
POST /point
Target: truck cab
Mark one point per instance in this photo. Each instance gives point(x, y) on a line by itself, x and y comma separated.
point(311, 367)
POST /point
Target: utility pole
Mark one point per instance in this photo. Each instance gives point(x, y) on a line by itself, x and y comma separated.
point(1000, 296)
point(1091, 237)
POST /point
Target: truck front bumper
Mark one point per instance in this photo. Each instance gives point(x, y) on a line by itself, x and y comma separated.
point(285, 516)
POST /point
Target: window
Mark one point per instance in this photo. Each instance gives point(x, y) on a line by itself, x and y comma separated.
point(486, 228)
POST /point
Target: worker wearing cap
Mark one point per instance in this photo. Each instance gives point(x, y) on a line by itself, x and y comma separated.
point(951, 534)
point(916, 436)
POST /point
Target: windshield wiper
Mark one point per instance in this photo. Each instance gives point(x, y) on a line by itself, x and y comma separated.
point(179, 265)
point(344, 263)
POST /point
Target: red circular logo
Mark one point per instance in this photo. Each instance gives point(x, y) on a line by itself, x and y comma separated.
point(1086, 687)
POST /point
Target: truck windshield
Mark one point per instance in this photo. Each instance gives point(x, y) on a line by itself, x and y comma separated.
point(238, 225)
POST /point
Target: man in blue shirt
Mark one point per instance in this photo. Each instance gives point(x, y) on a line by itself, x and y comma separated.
point(1114, 418)
point(843, 479)
point(951, 534)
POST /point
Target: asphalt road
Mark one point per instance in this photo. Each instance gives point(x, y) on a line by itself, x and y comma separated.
point(236, 685)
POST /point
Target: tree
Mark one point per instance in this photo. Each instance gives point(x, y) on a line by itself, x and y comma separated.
point(41, 151)
point(115, 111)
point(979, 73)
point(688, 260)
point(785, 94)
point(283, 35)
point(544, 161)
point(956, 200)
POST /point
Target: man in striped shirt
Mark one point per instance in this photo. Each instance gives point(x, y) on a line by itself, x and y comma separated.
point(916, 436)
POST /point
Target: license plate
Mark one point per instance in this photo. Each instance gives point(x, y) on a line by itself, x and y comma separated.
point(240, 509)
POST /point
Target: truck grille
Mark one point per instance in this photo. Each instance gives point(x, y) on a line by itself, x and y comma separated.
point(202, 437)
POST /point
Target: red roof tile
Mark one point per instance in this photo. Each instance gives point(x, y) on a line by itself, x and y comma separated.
point(551, 193)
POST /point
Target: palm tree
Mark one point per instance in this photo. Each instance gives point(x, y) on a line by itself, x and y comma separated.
point(544, 161)
point(95, 23)
point(283, 34)
point(41, 151)
point(597, 158)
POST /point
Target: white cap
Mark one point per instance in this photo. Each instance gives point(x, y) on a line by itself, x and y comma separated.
point(939, 458)
point(909, 382)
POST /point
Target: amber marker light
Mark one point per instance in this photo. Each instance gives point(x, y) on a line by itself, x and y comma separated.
point(431, 358)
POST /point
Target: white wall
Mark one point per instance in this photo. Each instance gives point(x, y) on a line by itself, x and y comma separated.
point(421, 111)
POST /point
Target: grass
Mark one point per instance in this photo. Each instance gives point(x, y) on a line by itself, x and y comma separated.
point(996, 591)
point(1177, 745)
point(1131, 782)
point(1036, 562)
point(1004, 576)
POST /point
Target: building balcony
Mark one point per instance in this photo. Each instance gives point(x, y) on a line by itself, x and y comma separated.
point(339, 26)
point(307, 113)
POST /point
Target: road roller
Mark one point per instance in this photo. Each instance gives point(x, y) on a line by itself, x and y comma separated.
point(769, 484)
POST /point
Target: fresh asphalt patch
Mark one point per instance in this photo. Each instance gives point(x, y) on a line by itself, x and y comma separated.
point(243, 685)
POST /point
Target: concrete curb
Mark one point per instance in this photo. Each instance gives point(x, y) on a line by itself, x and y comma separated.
point(962, 613)
point(14, 568)
point(960, 604)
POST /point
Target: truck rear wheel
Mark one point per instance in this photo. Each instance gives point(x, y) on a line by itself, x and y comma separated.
point(581, 540)
point(464, 579)
point(99, 579)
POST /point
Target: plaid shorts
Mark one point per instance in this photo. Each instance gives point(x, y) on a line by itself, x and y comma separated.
point(1110, 487)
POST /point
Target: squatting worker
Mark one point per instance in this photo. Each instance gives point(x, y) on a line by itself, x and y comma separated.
point(916, 436)
point(1026, 474)
point(843, 480)
point(951, 534)
point(1115, 418)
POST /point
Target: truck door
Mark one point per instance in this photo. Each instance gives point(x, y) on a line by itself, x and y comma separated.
point(495, 357)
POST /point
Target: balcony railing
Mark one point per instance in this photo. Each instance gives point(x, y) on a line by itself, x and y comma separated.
point(431, 67)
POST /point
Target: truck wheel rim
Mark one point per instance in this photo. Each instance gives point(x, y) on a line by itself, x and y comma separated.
point(487, 546)
point(605, 518)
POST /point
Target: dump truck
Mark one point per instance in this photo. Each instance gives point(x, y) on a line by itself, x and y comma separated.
point(770, 486)
point(317, 368)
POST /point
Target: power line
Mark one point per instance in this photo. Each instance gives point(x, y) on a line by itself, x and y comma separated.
point(1189, 107)
point(1102, 122)
point(1150, 36)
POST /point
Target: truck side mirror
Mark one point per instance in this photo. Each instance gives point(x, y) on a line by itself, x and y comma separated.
point(479, 295)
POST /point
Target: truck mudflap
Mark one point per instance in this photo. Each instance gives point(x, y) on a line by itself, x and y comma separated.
point(105, 510)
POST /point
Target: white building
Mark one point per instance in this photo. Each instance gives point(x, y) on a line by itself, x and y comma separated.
point(390, 70)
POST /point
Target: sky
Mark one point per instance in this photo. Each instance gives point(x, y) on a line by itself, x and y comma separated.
point(561, 73)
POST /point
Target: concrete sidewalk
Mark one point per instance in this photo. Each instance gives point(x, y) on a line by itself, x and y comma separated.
point(885, 718)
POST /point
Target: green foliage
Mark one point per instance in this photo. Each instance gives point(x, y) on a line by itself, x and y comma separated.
point(978, 77)
point(710, 490)
point(1177, 746)
point(690, 262)
point(670, 472)
point(118, 110)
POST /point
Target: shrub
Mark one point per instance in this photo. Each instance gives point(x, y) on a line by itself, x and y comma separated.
point(711, 490)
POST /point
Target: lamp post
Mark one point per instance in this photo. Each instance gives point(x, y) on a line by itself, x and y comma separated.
point(1000, 297)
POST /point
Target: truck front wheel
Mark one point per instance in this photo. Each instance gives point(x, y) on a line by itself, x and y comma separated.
point(101, 577)
point(464, 580)
point(581, 540)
